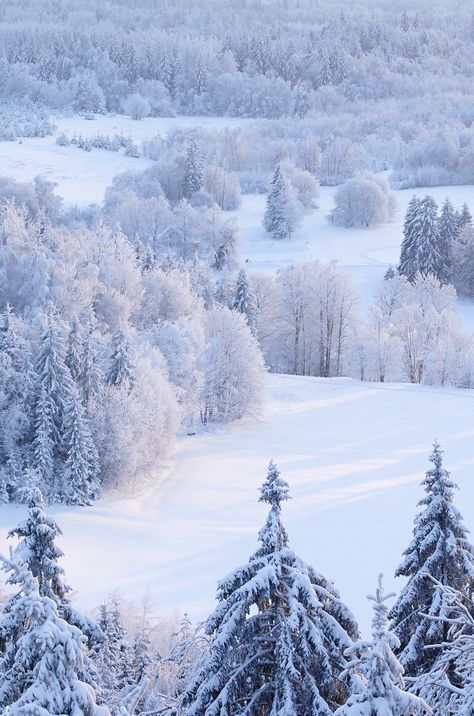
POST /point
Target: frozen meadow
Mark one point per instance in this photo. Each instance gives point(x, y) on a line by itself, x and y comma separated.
point(354, 455)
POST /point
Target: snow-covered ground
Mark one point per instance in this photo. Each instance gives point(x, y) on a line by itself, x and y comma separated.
point(364, 253)
point(354, 455)
point(82, 177)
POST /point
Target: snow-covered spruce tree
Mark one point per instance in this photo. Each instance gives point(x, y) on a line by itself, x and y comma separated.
point(113, 661)
point(121, 370)
point(80, 484)
point(449, 686)
point(73, 355)
point(278, 632)
point(55, 387)
point(44, 670)
point(448, 230)
point(431, 251)
point(381, 689)
point(244, 301)
point(38, 550)
point(408, 265)
point(439, 550)
point(282, 212)
point(465, 217)
point(193, 172)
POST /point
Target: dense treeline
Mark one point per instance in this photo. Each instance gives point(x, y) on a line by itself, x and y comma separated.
point(394, 80)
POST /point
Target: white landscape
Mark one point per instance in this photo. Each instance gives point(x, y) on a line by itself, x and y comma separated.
point(236, 358)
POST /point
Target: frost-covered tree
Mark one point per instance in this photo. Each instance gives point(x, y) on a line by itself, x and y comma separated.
point(465, 217)
point(449, 686)
point(233, 368)
point(432, 255)
point(278, 633)
point(408, 265)
point(44, 668)
point(244, 301)
point(380, 689)
point(440, 550)
point(121, 370)
point(37, 548)
point(448, 230)
point(80, 484)
point(137, 106)
point(283, 211)
point(363, 201)
point(193, 172)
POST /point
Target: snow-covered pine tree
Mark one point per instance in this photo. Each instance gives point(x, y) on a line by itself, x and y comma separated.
point(113, 661)
point(200, 78)
point(44, 669)
point(278, 219)
point(244, 301)
point(121, 370)
point(448, 230)
point(431, 255)
point(449, 686)
point(91, 378)
point(73, 355)
point(408, 265)
point(55, 387)
point(439, 550)
point(141, 648)
point(465, 217)
point(38, 550)
point(381, 689)
point(277, 635)
point(80, 484)
point(193, 172)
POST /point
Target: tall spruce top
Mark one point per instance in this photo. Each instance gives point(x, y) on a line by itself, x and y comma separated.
point(274, 490)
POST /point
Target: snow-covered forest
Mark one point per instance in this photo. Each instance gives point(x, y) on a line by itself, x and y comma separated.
point(231, 234)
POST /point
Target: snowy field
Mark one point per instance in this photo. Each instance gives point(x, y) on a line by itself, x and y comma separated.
point(365, 254)
point(354, 455)
point(82, 177)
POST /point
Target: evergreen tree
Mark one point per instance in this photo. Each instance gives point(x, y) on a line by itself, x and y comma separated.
point(193, 173)
point(465, 217)
point(448, 230)
point(431, 255)
point(381, 691)
point(449, 686)
point(279, 219)
point(73, 355)
point(121, 370)
point(200, 78)
point(141, 654)
point(114, 659)
point(91, 378)
point(278, 632)
point(439, 550)
point(389, 273)
point(244, 301)
point(408, 265)
point(38, 550)
point(44, 670)
point(55, 387)
point(80, 480)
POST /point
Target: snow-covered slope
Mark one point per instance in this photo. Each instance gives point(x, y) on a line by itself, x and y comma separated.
point(354, 455)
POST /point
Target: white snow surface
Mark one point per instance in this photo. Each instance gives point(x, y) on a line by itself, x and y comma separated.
point(365, 254)
point(82, 177)
point(354, 455)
